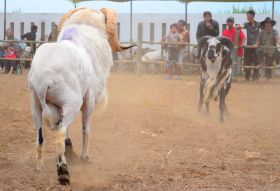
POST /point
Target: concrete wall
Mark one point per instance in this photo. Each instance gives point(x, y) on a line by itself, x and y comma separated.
point(146, 19)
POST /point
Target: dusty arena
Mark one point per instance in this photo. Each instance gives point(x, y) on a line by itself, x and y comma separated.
point(150, 138)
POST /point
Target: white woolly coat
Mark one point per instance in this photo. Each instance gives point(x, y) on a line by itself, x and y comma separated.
point(62, 73)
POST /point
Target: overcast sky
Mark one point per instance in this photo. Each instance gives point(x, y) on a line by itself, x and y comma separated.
point(60, 6)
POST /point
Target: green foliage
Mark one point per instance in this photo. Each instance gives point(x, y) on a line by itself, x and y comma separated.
point(243, 10)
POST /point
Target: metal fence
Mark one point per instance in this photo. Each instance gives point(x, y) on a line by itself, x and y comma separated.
point(137, 63)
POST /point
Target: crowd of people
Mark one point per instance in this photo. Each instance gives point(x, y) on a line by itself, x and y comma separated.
point(175, 53)
point(13, 49)
point(259, 48)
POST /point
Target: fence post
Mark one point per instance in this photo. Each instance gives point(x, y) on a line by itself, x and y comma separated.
point(152, 32)
point(43, 31)
point(163, 35)
point(139, 48)
point(21, 28)
point(235, 57)
point(188, 59)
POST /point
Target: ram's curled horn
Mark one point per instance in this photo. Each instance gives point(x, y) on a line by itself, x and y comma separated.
point(67, 16)
point(201, 43)
point(111, 29)
point(226, 41)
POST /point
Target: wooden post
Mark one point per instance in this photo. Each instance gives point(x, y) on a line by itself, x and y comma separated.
point(188, 59)
point(163, 30)
point(163, 35)
point(236, 44)
point(21, 28)
point(12, 26)
point(5, 18)
point(152, 32)
point(224, 27)
point(43, 31)
point(139, 50)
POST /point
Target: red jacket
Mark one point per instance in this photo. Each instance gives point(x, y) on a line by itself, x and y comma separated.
point(230, 33)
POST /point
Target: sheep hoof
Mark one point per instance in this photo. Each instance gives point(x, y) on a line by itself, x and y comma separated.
point(68, 143)
point(63, 175)
point(222, 120)
point(86, 159)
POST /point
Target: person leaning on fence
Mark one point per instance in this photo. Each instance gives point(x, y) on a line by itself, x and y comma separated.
point(207, 27)
point(54, 34)
point(172, 50)
point(230, 32)
point(31, 36)
point(184, 37)
point(267, 40)
point(12, 51)
point(3, 46)
point(250, 58)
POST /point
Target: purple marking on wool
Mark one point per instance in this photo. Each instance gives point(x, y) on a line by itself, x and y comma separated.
point(69, 33)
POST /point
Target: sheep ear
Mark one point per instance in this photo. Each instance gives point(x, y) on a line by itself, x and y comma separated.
point(226, 41)
point(201, 43)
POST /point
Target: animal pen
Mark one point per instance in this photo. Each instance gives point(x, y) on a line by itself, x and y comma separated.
point(150, 137)
point(139, 65)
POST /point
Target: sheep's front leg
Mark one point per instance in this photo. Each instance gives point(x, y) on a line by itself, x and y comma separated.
point(222, 104)
point(37, 117)
point(201, 94)
point(87, 108)
point(207, 108)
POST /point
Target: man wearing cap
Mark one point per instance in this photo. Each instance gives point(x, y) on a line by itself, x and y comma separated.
point(230, 32)
point(250, 58)
point(268, 40)
point(207, 27)
point(31, 36)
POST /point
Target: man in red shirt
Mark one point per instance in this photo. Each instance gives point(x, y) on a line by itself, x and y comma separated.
point(230, 32)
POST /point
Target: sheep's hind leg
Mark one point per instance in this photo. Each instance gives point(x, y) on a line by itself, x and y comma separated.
point(68, 141)
point(62, 171)
point(37, 116)
point(69, 153)
point(87, 108)
point(69, 114)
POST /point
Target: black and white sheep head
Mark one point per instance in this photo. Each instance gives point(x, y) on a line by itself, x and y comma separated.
point(213, 47)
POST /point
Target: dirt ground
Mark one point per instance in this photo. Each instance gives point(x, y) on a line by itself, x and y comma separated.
point(150, 138)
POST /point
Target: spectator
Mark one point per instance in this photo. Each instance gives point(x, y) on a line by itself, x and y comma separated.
point(12, 51)
point(184, 36)
point(3, 46)
point(250, 58)
point(31, 36)
point(54, 34)
point(207, 27)
point(230, 32)
point(172, 50)
point(268, 37)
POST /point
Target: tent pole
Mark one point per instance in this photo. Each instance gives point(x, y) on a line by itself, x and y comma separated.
point(131, 27)
point(5, 15)
point(272, 9)
point(131, 20)
point(186, 12)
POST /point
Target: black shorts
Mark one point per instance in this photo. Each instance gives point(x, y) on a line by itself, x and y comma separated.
point(250, 57)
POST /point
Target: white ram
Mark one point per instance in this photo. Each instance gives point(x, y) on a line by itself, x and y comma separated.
point(70, 76)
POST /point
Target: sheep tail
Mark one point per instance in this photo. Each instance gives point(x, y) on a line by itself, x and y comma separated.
point(47, 114)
